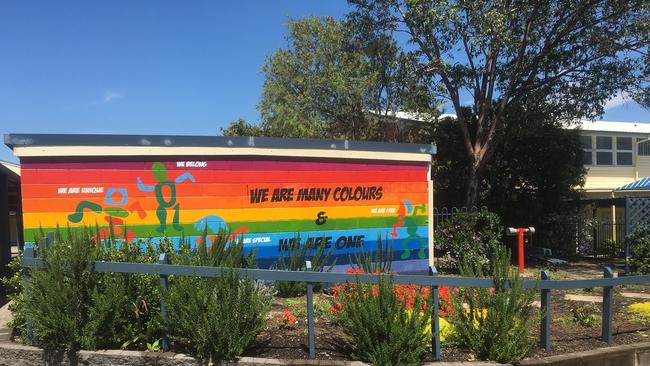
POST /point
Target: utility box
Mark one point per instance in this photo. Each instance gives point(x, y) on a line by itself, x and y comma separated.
point(343, 195)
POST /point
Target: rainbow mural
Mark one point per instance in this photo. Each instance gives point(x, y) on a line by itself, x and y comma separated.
point(340, 203)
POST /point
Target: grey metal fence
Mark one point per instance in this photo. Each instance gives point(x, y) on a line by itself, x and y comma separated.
point(443, 213)
point(604, 232)
point(545, 285)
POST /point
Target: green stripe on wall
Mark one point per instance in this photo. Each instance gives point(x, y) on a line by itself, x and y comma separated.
point(297, 226)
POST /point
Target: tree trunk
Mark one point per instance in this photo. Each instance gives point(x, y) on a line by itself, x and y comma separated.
point(473, 179)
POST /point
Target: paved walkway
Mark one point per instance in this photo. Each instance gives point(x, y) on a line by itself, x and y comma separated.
point(5, 316)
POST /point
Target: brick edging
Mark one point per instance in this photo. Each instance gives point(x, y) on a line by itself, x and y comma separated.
point(627, 354)
point(14, 354)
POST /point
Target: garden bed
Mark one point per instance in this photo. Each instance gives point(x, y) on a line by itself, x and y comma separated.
point(567, 336)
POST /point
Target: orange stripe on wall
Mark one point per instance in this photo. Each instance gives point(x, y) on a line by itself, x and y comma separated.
point(69, 204)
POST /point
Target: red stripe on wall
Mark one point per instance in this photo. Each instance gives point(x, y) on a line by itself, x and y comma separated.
point(86, 176)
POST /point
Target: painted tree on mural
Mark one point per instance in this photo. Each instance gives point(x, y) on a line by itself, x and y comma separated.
point(571, 54)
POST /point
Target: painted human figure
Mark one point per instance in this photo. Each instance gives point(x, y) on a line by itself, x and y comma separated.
point(165, 192)
point(406, 217)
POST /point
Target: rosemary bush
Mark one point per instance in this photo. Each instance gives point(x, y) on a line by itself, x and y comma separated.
point(385, 330)
point(216, 318)
point(497, 323)
point(71, 308)
point(57, 299)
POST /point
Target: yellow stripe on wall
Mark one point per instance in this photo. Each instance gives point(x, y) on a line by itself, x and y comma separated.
point(34, 220)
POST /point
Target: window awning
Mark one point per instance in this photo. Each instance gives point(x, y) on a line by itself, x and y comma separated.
point(642, 184)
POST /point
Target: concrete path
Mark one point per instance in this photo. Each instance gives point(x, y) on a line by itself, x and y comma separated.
point(5, 317)
point(585, 298)
point(635, 295)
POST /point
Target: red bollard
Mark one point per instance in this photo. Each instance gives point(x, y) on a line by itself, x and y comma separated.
point(520, 239)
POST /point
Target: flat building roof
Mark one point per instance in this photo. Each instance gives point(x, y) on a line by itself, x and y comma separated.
point(50, 145)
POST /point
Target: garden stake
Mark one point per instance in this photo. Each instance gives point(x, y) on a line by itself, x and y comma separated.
point(608, 305)
point(545, 327)
point(435, 322)
point(164, 259)
point(310, 315)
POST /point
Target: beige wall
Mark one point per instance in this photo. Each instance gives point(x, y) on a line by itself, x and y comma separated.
point(643, 166)
point(608, 178)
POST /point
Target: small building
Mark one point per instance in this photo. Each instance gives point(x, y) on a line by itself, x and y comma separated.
point(343, 195)
point(10, 213)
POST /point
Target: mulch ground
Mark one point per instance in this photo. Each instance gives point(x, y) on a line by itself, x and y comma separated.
point(567, 336)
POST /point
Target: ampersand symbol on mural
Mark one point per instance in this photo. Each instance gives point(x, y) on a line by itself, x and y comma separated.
point(321, 218)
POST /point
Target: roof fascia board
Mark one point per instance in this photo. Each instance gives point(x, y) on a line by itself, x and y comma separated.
point(62, 151)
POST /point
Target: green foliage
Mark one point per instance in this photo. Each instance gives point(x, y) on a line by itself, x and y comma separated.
point(383, 331)
point(58, 297)
point(471, 238)
point(295, 260)
point(497, 324)
point(242, 128)
point(532, 180)
point(585, 315)
point(569, 56)
point(610, 248)
point(125, 309)
point(216, 318)
point(331, 83)
point(13, 284)
point(379, 261)
point(92, 310)
point(639, 244)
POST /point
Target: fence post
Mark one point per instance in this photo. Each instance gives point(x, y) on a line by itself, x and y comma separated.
point(311, 338)
point(435, 322)
point(545, 326)
point(608, 307)
point(164, 314)
point(29, 253)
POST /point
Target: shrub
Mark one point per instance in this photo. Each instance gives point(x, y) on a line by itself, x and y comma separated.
point(471, 238)
point(216, 318)
point(125, 309)
point(498, 322)
point(58, 296)
point(92, 309)
point(585, 315)
point(378, 261)
point(383, 330)
point(641, 308)
point(14, 286)
point(610, 248)
point(297, 255)
point(639, 243)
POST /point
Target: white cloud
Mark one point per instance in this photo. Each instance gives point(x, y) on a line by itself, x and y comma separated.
point(621, 98)
point(111, 96)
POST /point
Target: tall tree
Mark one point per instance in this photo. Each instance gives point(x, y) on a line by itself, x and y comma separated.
point(572, 55)
point(533, 179)
point(330, 83)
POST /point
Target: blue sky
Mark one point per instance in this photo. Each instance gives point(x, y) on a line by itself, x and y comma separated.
point(149, 67)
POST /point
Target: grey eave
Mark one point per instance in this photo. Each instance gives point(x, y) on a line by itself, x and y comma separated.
point(23, 140)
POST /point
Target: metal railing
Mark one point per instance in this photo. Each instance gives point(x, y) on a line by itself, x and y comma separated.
point(434, 281)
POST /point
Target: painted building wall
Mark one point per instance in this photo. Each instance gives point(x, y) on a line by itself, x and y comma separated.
point(266, 200)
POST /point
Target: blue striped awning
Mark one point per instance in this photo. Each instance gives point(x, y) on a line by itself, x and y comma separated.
point(641, 184)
